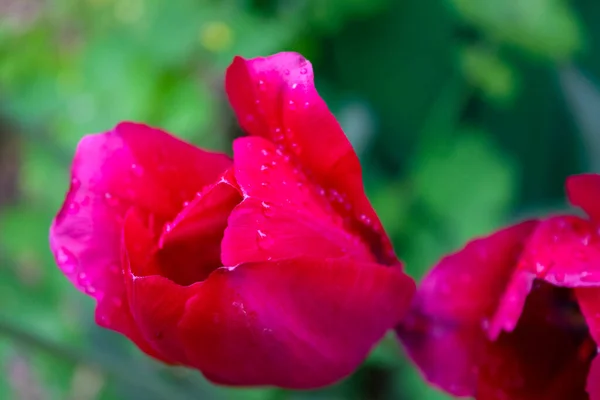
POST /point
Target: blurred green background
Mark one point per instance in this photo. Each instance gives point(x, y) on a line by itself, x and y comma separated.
point(467, 114)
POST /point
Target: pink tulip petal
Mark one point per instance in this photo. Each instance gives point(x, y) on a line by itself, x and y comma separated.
point(190, 246)
point(130, 165)
point(275, 98)
point(593, 381)
point(564, 251)
point(584, 191)
point(282, 215)
point(298, 323)
point(444, 333)
point(468, 285)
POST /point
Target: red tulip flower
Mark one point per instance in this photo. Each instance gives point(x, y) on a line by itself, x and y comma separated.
point(516, 315)
point(270, 268)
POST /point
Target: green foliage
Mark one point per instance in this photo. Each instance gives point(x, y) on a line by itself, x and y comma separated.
point(456, 108)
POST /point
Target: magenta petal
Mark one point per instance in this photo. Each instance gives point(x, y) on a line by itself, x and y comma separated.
point(584, 191)
point(444, 333)
point(275, 97)
point(300, 323)
point(593, 380)
point(130, 165)
point(468, 285)
point(564, 251)
point(282, 215)
point(190, 246)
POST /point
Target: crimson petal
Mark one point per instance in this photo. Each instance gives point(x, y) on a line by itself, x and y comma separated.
point(282, 215)
point(275, 98)
point(565, 251)
point(444, 332)
point(584, 191)
point(131, 165)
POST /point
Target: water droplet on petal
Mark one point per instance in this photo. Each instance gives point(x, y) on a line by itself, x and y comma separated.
point(264, 240)
point(267, 209)
point(286, 71)
point(303, 71)
point(264, 152)
point(75, 184)
point(168, 227)
point(110, 200)
point(264, 167)
point(137, 169)
point(86, 201)
point(294, 85)
point(66, 260)
point(365, 219)
point(295, 148)
point(540, 269)
point(73, 208)
point(559, 277)
point(586, 240)
point(292, 105)
point(90, 290)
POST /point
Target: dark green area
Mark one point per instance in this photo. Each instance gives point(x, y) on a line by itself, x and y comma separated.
point(467, 114)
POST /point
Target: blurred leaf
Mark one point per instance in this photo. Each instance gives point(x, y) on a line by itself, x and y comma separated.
point(486, 71)
point(468, 183)
point(584, 100)
point(548, 28)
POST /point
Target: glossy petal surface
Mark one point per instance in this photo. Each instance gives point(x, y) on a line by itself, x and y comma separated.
point(130, 165)
point(584, 191)
point(275, 98)
point(480, 293)
point(282, 215)
point(564, 251)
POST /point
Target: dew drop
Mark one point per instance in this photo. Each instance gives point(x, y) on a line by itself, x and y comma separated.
point(267, 209)
point(295, 148)
point(540, 269)
point(168, 227)
point(286, 71)
point(137, 170)
point(86, 201)
point(264, 167)
point(365, 219)
point(73, 208)
point(111, 200)
point(291, 105)
point(294, 86)
point(264, 152)
point(264, 241)
point(66, 260)
point(90, 290)
point(303, 71)
point(75, 184)
point(586, 240)
point(559, 277)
